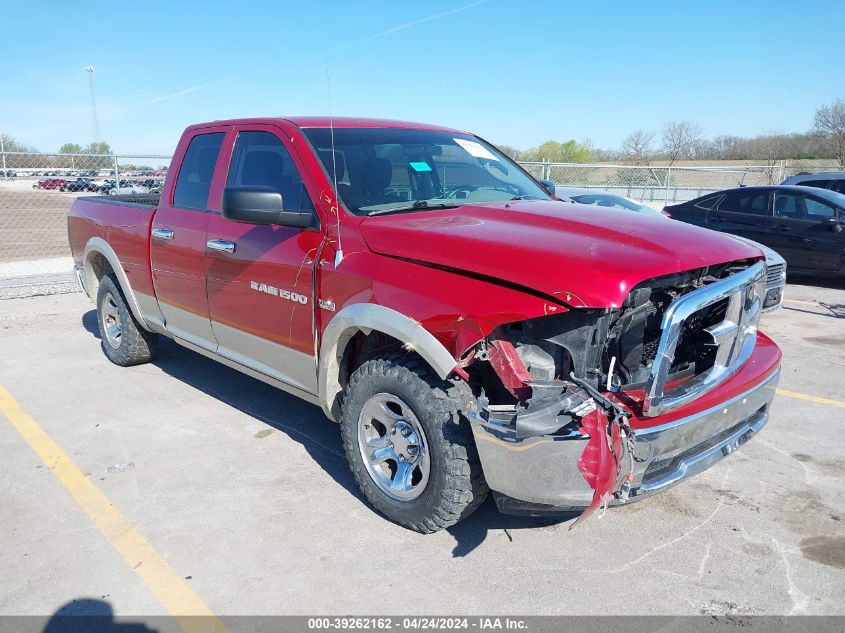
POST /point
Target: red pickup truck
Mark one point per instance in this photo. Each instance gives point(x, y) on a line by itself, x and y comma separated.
point(468, 331)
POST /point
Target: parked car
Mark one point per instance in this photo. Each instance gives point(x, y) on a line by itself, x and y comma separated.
point(8, 173)
point(51, 183)
point(833, 180)
point(80, 184)
point(467, 334)
point(803, 224)
point(604, 199)
point(127, 187)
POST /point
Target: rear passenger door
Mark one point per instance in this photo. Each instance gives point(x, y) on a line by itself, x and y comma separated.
point(742, 212)
point(177, 243)
point(260, 277)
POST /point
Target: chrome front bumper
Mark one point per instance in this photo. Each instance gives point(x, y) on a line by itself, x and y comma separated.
point(544, 471)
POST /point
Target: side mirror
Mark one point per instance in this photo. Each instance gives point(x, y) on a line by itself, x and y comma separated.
point(548, 185)
point(834, 224)
point(261, 205)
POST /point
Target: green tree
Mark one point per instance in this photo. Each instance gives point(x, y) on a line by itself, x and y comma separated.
point(552, 151)
point(70, 148)
point(98, 148)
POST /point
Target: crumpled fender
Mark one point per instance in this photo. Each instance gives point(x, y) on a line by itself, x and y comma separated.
point(601, 461)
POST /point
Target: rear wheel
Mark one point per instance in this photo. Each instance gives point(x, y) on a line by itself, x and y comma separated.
point(122, 338)
point(408, 444)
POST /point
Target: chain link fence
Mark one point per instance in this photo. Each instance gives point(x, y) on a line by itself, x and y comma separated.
point(658, 185)
point(36, 191)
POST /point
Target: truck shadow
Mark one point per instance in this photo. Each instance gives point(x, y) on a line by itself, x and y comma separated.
point(299, 420)
point(306, 424)
point(473, 531)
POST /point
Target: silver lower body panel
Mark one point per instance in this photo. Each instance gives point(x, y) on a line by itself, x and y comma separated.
point(543, 470)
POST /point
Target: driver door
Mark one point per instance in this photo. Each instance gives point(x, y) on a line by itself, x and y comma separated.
point(260, 277)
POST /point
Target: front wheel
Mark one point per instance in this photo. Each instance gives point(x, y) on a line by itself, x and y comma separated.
point(409, 445)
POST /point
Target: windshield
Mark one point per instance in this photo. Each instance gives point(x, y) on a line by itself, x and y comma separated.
point(393, 170)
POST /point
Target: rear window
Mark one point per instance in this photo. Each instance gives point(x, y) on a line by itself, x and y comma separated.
point(744, 201)
point(194, 180)
point(709, 202)
point(821, 184)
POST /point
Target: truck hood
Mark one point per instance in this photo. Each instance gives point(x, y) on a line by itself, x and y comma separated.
point(585, 256)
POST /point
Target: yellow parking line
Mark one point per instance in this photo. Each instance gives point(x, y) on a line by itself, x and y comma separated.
point(169, 589)
point(804, 396)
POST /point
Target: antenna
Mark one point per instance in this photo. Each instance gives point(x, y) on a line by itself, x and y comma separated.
point(338, 255)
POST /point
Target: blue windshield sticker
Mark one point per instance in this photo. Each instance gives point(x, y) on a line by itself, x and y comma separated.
point(420, 166)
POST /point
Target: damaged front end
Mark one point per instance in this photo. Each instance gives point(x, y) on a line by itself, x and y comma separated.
point(560, 445)
point(570, 404)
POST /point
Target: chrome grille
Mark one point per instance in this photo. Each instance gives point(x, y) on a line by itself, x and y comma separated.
point(733, 337)
point(774, 276)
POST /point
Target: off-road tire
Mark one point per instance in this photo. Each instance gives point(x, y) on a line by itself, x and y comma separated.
point(137, 345)
point(456, 485)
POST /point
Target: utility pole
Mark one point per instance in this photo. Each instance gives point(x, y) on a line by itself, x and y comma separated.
point(94, 125)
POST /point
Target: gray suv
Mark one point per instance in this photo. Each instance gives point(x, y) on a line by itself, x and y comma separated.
point(833, 180)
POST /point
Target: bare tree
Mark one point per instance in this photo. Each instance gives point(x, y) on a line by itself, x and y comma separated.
point(679, 139)
point(829, 124)
point(769, 149)
point(637, 147)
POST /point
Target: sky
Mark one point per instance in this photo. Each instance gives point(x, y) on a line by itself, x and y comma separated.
point(517, 72)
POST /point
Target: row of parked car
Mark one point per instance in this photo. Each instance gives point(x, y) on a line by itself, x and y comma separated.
point(79, 173)
point(108, 187)
point(799, 220)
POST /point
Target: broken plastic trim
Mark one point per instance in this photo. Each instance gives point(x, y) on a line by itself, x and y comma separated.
point(553, 405)
point(601, 461)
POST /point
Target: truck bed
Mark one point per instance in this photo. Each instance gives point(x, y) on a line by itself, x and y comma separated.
point(123, 222)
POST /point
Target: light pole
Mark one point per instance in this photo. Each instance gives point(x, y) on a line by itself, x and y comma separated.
point(90, 71)
point(3, 154)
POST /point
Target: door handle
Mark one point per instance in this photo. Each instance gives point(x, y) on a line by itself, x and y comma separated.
point(783, 227)
point(221, 246)
point(162, 234)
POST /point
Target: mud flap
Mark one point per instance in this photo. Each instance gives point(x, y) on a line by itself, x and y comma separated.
point(601, 461)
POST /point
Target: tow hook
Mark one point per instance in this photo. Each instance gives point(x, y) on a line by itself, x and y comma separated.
point(625, 489)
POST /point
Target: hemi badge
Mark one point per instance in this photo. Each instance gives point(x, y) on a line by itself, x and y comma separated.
point(326, 304)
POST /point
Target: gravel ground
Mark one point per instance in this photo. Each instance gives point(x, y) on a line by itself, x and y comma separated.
point(245, 492)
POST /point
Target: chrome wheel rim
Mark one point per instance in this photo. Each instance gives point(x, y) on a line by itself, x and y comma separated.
point(110, 320)
point(394, 447)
